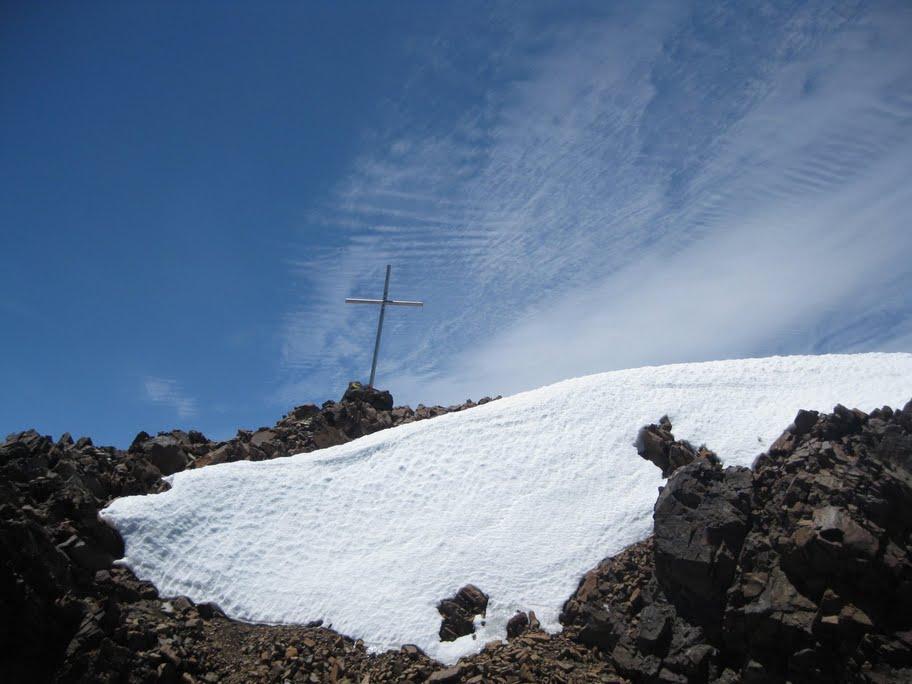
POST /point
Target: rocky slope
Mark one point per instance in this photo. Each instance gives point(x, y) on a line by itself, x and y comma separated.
point(67, 613)
point(361, 411)
point(796, 570)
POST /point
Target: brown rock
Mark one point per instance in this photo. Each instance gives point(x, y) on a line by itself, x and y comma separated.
point(517, 624)
point(448, 675)
point(459, 612)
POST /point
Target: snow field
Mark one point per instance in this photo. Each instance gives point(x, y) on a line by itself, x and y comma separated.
point(519, 497)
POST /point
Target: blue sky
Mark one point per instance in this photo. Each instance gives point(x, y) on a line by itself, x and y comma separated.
point(189, 190)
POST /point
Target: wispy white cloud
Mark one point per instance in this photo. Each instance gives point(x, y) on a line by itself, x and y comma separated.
point(657, 185)
point(169, 392)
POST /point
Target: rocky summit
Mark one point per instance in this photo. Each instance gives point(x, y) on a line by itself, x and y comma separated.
point(797, 569)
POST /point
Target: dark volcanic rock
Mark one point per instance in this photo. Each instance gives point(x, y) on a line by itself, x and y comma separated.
point(828, 570)
point(621, 609)
point(381, 400)
point(69, 615)
point(517, 624)
point(701, 518)
point(362, 411)
point(800, 570)
point(657, 444)
point(166, 453)
point(459, 612)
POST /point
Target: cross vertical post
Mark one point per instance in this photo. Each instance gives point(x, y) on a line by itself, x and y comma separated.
point(386, 288)
point(383, 304)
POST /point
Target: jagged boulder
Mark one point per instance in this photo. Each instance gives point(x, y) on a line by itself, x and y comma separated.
point(356, 393)
point(521, 623)
point(657, 444)
point(166, 453)
point(700, 520)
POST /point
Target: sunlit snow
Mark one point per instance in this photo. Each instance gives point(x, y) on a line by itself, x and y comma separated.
point(520, 497)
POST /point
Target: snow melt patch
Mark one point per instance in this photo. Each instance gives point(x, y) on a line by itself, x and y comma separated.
point(519, 497)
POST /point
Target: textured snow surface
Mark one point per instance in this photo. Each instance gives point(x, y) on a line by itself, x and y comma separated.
point(520, 497)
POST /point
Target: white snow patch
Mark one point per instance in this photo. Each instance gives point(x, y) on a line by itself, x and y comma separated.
point(519, 497)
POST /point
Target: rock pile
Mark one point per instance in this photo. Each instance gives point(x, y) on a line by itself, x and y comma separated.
point(241, 653)
point(361, 411)
point(53, 544)
point(533, 656)
point(800, 570)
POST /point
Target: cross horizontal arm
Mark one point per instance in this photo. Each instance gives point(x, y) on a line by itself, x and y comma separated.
point(388, 302)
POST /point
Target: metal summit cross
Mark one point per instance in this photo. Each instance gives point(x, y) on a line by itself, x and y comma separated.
point(386, 301)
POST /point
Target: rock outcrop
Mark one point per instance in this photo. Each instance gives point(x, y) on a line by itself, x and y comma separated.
point(655, 443)
point(459, 612)
point(826, 568)
point(57, 555)
point(700, 520)
point(797, 570)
